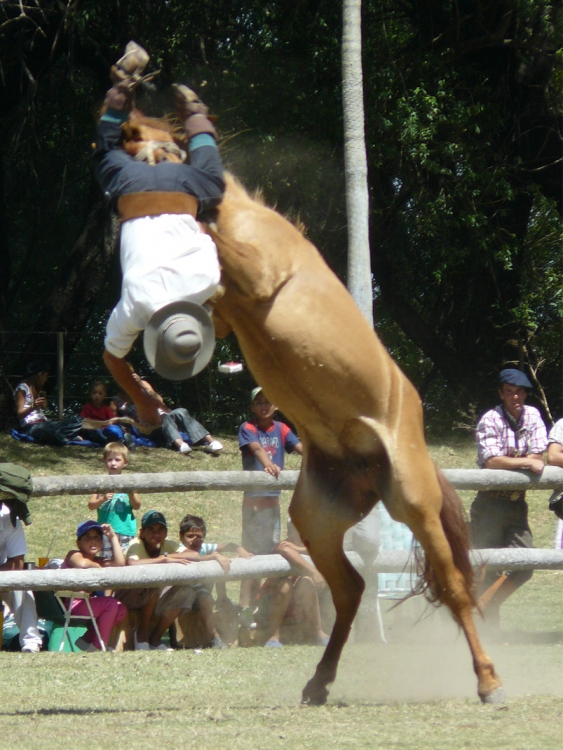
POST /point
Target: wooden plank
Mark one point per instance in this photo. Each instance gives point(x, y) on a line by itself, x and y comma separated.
point(239, 481)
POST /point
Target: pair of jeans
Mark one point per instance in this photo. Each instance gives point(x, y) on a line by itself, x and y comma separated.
point(174, 422)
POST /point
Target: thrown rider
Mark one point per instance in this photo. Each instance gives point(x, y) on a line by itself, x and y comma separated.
point(169, 265)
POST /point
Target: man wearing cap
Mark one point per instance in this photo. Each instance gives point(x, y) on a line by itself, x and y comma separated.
point(15, 488)
point(555, 458)
point(510, 436)
point(153, 548)
point(170, 267)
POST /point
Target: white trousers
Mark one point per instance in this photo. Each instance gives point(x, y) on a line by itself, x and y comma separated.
point(22, 606)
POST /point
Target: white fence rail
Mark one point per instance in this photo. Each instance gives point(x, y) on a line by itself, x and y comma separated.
point(193, 481)
point(262, 566)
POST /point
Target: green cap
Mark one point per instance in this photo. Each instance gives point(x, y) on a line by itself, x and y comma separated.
point(255, 392)
point(151, 517)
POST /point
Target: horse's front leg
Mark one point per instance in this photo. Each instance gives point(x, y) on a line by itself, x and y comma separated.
point(322, 533)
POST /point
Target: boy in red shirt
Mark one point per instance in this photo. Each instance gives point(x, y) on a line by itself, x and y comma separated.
point(262, 442)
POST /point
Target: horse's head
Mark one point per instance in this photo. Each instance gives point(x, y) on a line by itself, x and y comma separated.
point(153, 139)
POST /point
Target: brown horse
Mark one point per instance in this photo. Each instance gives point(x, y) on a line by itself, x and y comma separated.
point(359, 418)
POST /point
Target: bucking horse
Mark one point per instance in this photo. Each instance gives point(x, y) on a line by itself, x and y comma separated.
point(359, 418)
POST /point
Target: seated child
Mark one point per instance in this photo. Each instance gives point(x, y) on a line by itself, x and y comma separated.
point(97, 410)
point(192, 537)
point(150, 548)
point(292, 599)
point(107, 610)
point(262, 443)
point(116, 508)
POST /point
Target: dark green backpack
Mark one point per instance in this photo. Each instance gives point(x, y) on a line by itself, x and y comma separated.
point(16, 480)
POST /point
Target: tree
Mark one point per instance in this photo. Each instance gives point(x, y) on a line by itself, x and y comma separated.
point(355, 159)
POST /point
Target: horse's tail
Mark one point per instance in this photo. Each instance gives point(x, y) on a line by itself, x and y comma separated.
point(456, 529)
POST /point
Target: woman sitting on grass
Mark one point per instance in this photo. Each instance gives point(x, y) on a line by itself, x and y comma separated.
point(107, 610)
point(30, 405)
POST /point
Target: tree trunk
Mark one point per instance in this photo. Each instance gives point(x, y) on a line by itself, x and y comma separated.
point(357, 200)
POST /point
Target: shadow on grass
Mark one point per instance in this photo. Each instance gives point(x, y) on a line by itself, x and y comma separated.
point(86, 711)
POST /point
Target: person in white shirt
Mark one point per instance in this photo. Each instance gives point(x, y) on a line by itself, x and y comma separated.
point(12, 552)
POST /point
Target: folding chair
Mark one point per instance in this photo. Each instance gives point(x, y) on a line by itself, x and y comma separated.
point(50, 605)
point(394, 536)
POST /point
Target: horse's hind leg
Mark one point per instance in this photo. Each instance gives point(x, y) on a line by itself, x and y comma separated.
point(437, 526)
point(322, 528)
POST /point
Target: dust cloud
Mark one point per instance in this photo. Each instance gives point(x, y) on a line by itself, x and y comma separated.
point(426, 658)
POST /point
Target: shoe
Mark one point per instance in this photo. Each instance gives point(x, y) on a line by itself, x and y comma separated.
point(160, 647)
point(188, 102)
point(140, 645)
point(31, 648)
point(214, 447)
point(129, 441)
point(185, 449)
point(273, 644)
point(84, 645)
point(131, 65)
point(217, 643)
point(246, 617)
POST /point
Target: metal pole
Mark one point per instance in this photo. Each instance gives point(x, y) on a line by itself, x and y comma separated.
point(60, 371)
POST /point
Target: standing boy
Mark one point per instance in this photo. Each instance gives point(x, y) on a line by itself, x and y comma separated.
point(262, 442)
point(116, 508)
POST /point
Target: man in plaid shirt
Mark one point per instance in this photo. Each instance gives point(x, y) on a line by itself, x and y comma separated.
point(510, 436)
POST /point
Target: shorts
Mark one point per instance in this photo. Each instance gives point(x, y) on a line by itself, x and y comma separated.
point(260, 524)
point(170, 597)
point(124, 541)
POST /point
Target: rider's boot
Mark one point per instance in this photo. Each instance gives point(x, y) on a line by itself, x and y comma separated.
point(193, 112)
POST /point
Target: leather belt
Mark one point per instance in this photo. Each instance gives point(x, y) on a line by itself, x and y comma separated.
point(506, 495)
point(155, 203)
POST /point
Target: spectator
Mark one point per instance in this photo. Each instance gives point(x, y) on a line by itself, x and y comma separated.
point(97, 409)
point(174, 421)
point(510, 436)
point(107, 610)
point(262, 443)
point(192, 537)
point(293, 599)
point(555, 458)
point(153, 548)
point(116, 508)
point(15, 488)
point(31, 403)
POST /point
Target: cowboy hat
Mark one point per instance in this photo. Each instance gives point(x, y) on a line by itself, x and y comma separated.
point(179, 340)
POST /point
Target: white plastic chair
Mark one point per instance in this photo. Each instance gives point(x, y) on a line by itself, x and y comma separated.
point(393, 536)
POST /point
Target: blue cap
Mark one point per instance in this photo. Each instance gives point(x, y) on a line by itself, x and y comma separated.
point(512, 376)
point(86, 526)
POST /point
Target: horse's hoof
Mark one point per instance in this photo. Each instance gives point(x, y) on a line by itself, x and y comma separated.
point(313, 696)
point(497, 696)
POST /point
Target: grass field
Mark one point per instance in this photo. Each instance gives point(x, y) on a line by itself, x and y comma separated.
point(417, 692)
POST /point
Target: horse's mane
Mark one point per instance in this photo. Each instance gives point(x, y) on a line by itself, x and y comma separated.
point(137, 120)
point(257, 196)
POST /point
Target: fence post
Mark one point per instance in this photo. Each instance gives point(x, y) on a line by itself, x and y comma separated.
point(60, 372)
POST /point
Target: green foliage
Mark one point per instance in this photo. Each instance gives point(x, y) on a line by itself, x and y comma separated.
point(463, 118)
